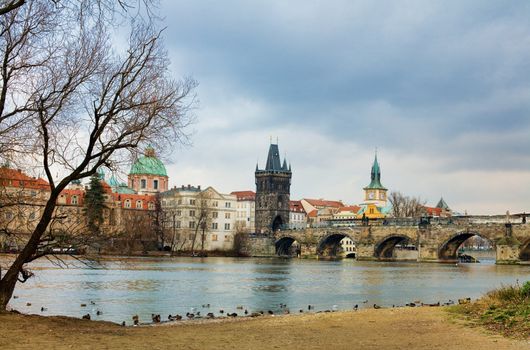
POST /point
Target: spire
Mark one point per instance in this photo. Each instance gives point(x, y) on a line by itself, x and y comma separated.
point(442, 204)
point(376, 171)
point(273, 159)
point(284, 165)
point(375, 176)
point(257, 166)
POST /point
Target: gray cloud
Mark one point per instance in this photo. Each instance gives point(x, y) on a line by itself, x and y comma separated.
point(438, 82)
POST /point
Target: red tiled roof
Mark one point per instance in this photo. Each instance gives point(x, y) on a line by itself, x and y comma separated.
point(324, 203)
point(244, 195)
point(296, 206)
point(106, 187)
point(16, 178)
point(313, 213)
point(353, 208)
point(433, 211)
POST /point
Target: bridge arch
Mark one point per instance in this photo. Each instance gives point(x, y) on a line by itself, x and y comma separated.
point(448, 250)
point(283, 245)
point(331, 243)
point(384, 249)
point(524, 254)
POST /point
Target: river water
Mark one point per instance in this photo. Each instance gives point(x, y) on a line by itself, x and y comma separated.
point(145, 286)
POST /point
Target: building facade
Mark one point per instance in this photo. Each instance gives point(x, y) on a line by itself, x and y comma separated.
point(245, 211)
point(273, 189)
point(297, 215)
point(199, 220)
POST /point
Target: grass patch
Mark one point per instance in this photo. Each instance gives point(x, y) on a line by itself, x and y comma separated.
point(505, 310)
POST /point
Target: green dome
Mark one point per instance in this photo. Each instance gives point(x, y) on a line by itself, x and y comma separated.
point(148, 164)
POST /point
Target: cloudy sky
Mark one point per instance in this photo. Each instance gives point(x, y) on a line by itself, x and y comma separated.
point(440, 88)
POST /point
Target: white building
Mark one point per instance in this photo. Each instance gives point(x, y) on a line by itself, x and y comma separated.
point(297, 215)
point(198, 219)
point(245, 210)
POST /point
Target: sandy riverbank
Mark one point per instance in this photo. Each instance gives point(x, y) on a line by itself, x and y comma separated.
point(405, 328)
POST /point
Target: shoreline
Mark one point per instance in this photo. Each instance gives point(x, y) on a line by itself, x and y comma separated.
point(396, 328)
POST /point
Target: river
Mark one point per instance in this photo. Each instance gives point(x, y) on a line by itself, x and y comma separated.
point(145, 286)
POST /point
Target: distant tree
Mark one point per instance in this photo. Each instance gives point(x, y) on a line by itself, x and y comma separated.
point(94, 204)
point(405, 206)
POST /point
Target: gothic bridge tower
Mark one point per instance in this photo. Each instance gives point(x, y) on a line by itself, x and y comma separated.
point(273, 186)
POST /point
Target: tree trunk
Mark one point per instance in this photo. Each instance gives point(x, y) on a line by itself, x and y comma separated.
point(9, 281)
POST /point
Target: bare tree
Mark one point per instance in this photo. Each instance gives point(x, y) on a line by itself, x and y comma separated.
point(86, 105)
point(158, 219)
point(203, 216)
point(405, 206)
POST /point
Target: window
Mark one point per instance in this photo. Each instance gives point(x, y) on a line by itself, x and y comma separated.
point(151, 206)
point(74, 200)
point(177, 224)
point(227, 215)
point(192, 224)
point(31, 216)
point(227, 204)
point(143, 183)
point(179, 201)
point(192, 213)
point(214, 225)
point(192, 201)
point(215, 214)
point(33, 193)
point(155, 184)
point(371, 210)
point(214, 238)
point(227, 226)
point(190, 236)
point(215, 204)
point(127, 203)
point(139, 205)
point(179, 213)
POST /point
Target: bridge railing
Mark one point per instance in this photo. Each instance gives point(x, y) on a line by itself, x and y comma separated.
point(420, 221)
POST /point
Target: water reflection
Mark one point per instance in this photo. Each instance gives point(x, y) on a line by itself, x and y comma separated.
point(169, 286)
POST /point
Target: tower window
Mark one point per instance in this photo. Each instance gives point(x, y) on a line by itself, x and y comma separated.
point(155, 184)
point(143, 183)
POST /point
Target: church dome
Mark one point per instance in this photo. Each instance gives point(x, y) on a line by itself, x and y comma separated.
point(148, 164)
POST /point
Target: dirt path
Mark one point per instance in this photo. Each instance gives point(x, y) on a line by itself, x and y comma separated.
point(407, 328)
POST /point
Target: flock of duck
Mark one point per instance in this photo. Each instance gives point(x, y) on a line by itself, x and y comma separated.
point(194, 313)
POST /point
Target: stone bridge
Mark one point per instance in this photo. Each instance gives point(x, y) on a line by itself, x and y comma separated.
point(435, 241)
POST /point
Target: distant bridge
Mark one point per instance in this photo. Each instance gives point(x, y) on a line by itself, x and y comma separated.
point(436, 240)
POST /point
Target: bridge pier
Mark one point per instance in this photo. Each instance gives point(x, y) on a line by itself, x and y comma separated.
point(365, 252)
point(507, 254)
point(308, 251)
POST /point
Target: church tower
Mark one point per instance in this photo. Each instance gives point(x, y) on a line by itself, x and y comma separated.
point(273, 188)
point(375, 192)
